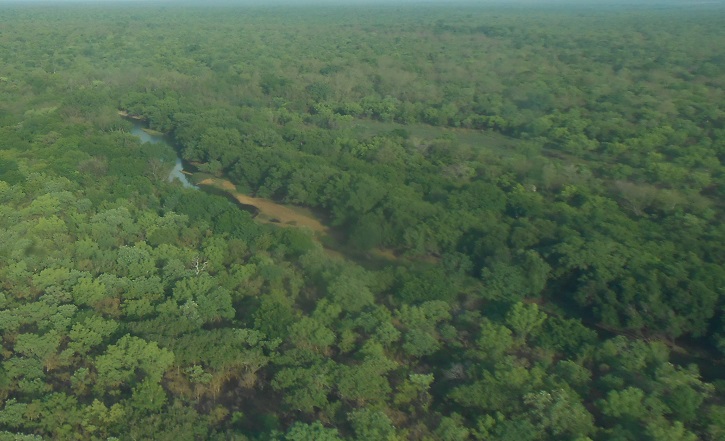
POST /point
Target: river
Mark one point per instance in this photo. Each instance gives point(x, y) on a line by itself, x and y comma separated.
point(265, 210)
point(177, 173)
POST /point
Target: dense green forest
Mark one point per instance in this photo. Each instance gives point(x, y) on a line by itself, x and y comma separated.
point(523, 207)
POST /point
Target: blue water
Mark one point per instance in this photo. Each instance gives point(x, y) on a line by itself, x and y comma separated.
point(177, 171)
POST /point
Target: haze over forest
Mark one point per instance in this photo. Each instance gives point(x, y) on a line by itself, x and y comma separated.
point(450, 3)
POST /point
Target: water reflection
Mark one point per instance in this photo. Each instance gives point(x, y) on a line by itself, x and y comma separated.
point(177, 171)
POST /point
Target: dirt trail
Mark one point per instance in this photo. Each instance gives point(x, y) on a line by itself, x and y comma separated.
point(269, 211)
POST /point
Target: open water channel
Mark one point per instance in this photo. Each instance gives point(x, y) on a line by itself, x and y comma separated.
point(264, 210)
point(177, 173)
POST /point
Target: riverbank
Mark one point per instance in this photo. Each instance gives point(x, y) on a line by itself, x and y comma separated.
point(269, 211)
point(127, 115)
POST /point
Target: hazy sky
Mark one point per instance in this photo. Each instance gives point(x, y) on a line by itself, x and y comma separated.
point(353, 2)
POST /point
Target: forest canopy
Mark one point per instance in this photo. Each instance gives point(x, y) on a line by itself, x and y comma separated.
point(518, 222)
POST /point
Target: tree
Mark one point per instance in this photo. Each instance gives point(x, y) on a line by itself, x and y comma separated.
point(100, 420)
point(372, 425)
point(350, 290)
point(201, 299)
point(525, 319)
point(415, 390)
point(148, 397)
point(451, 428)
point(526, 276)
point(662, 430)
point(89, 334)
point(311, 432)
point(366, 382)
point(41, 347)
point(421, 336)
point(88, 291)
point(560, 412)
point(120, 365)
point(493, 342)
point(567, 335)
point(274, 316)
point(305, 388)
point(308, 333)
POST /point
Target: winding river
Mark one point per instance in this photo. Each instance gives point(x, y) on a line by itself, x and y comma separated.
point(265, 210)
point(177, 173)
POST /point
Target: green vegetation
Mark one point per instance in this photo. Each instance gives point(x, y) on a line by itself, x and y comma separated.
point(524, 210)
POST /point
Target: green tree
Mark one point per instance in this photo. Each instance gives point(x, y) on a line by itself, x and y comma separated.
point(201, 299)
point(305, 388)
point(525, 319)
point(311, 432)
point(371, 425)
point(561, 413)
point(123, 361)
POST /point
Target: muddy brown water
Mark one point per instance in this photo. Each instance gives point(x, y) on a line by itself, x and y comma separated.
point(269, 211)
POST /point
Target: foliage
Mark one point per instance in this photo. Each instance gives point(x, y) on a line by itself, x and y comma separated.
point(522, 219)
